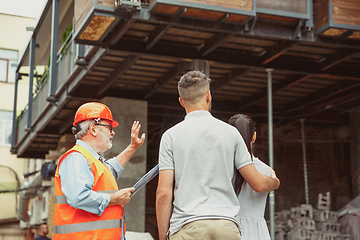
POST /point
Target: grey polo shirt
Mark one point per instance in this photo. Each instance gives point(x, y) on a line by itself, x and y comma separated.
point(202, 151)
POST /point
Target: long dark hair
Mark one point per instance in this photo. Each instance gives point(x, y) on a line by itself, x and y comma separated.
point(246, 126)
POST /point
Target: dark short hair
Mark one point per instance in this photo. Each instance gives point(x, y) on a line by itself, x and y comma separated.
point(193, 85)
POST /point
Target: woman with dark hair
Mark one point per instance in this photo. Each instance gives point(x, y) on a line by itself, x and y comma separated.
point(252, 204)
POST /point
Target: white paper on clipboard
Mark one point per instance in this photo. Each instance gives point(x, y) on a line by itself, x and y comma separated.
point(146, 178)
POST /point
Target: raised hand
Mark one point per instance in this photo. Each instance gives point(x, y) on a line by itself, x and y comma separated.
point(136, 142)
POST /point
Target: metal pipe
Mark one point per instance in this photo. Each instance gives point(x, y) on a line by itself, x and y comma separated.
point(31, 82)
point(13, 133)
point(53, 49)
point(25, 195)
point(304, 160)
point(271, 154)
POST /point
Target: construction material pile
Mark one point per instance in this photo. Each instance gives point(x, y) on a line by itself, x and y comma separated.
point(307, 223)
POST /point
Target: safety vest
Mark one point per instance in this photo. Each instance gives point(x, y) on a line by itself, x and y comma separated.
point(72, 223)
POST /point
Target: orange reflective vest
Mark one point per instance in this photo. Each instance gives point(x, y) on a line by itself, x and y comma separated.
point(72, 223)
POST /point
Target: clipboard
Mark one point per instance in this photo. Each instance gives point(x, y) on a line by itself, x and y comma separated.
point(146, 178)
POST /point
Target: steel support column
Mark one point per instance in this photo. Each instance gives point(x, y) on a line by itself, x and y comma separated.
point(271, 154)
point(80, 56)
point(13, 133)
point(304, 160)
point(31, 82)
point(53, 50)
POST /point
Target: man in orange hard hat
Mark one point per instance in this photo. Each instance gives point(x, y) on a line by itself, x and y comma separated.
point(88, 204)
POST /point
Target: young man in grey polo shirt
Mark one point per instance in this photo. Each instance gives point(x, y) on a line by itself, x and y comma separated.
point(199, 155)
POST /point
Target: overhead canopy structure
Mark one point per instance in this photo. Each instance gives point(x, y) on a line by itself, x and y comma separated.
point(139, 50)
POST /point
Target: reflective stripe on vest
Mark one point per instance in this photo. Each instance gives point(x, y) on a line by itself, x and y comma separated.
point(87, 226)
point(77, 224)
point(61, 199)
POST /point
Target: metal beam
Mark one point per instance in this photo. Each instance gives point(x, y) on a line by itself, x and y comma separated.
point(31, 82)
point(228, 79)
point(163, 28)
point(277, 50)
point(263, 94)
point(120, 30)
point(120, 70)
point(214, 42)
point(174, 72)
point(193, 23)
point(54, 47)
point(327, 92)
point(155, 35)
point(344, 36)
point(240, 59)
point(337, 57)
point(13, 133)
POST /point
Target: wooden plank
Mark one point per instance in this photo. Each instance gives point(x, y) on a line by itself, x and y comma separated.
point(343, 12)
point(96, 28)
point(321, 13)
point(334, 32)
point(237, 4)
point(321, 18)
point(137, 77)
point(236, 18)
point(190, 33)
point(110, 3)
point(81, 9)
point(155, 64)
point(163, 8)
point(198, 13)
point(278, 18)
point(138, 34)
point(356, 35)
point(346, 12)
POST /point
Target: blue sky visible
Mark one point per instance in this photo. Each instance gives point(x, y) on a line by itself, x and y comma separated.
point(26, 8)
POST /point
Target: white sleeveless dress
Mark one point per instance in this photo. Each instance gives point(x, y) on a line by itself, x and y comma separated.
point(252, 208)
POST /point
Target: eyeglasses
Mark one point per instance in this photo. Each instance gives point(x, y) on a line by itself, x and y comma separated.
point(105, 125)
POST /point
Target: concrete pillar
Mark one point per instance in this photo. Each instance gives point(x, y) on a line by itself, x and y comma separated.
point(126, 111)
point(355, 151)
point(201, 65)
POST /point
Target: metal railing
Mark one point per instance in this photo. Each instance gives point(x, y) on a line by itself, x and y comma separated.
point(66, 66)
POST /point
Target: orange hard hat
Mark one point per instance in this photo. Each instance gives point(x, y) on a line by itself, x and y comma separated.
point(94, 110)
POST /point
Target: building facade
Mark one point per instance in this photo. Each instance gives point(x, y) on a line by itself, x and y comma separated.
point(11, 167)
point(130, 55)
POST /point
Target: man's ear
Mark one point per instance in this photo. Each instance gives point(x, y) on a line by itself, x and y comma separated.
point(181, 102)
point(208, 96)
point(92, 130)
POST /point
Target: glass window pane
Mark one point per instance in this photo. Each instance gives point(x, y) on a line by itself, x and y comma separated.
point(11, 72)
point(3, 70)
point(8, 54)
point(5, 127)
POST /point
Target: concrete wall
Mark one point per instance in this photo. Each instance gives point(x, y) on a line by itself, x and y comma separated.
point(126, 111)
point(355, 151)
point(328, 164)
point(16, 38)
point(16, 34)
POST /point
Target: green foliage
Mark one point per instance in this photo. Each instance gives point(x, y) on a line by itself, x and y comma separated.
point(64, 37)
point(67, 33)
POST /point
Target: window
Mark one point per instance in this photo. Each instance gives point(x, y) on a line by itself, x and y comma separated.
point(5, 127)
point(8, 60)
